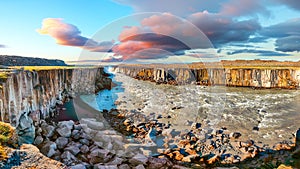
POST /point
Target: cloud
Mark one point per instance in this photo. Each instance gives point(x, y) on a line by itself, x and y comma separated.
point(243, 8)
point(184, 8)
point(2, 46)
point(287, 35)
point(259, 52)
point(69, 35)
point(291, 3)
point(221, 29)
point(169, 33)
point(288, 44)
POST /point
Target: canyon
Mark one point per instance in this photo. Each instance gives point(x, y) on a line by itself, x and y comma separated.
point(236, 77)
point(27, 97)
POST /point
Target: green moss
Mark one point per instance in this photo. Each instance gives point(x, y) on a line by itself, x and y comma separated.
point(6, 132)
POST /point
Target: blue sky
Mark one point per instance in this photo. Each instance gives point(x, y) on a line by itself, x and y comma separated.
point(128, 30)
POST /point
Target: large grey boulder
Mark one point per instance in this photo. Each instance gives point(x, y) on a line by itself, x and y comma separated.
point(64, 131)
point(25, 130)
point(49, 149)
point(61, 142)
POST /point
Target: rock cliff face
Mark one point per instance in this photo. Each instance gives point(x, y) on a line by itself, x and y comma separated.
point(37, 92)
point(238, 77)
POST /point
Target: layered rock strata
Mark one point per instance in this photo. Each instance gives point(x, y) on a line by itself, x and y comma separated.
point(238, 77)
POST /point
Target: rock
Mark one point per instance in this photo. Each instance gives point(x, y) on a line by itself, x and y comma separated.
point(73, 149)
point(190, 158)
point(47, 130)
point(255, 128)
point(297, 140)
point(25, 129)
point(93, 124)
point(138, 159)
point(84, 149)
point(127, 122)
point(61, 142)
point(38, 140)
point(139, 167)
point(213, 159)
point(69, 124)
point(247, 143)
point(154, 163)
point(116, 161)
point(84, 141)
point(195, 126)
point(99, 156)
point(49, 149)
point(235, 135)
point(67, 155)
point(77, 127)
point(78, 166)
point(282, 166)
point(64, 131)
point(124, 166)
point(101, 166)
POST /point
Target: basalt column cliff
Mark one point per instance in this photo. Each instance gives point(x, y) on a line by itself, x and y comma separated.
point(238, 77)
point(35, 93)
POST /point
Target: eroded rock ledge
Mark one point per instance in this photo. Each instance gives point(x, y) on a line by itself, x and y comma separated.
point(26, 97)
point(264, 77)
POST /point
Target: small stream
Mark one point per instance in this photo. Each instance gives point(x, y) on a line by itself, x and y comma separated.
point(105, 99)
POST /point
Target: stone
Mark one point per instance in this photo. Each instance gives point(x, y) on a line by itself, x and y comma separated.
point(99, 156)
point(67, 155)
point(297, 139)
point(93, 124)
point(78, 166)
point(127, 122)
point(38, 140)
point(73, 149)
point(77, 127)
point(138, 159)
point(101, 166)
point(61, 142)
point(235, 135)
point(25, 129)
point(139, 167)
point(213, 159)
point(195, 126)
point(47, 130)
point(49, 149)
point(84, 149)
point(84, 141)
point(64, 131)
point(154, 163)
point(116, 161)
point(124, 166)
point(69, 124)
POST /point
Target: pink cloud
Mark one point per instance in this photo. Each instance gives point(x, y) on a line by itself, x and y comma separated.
point(69, 35)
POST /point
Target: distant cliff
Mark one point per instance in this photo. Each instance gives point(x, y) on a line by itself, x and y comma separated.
point(288, 78)
point(29, 61)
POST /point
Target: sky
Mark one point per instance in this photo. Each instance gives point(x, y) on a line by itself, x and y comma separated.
point(151, 31)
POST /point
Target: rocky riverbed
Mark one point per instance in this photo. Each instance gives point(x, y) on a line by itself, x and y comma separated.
point(200, 126)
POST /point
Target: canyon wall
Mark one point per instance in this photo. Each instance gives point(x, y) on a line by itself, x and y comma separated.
point(238, 77)
point(37, 92)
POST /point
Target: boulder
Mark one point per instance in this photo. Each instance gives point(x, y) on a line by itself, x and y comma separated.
point(101, 166)
point(69, 124)
point(38, 140)
point(67, 156)
point(61, 142)
point(73, 149)
point(47, 130)
point(139, 167)
point(78, 166)
point(84, 149)
point(124, 166)
point(64, 131)
point(138, 159)
point(49, 149)
point(235, 135)
point(99, 156)
point(25, 130)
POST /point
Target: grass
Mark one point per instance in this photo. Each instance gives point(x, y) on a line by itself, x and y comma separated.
point(37, 68)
